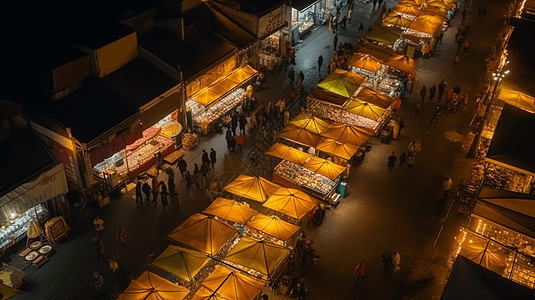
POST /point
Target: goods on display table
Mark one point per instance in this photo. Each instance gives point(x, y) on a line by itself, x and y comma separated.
point(506, 179)
point(319, 185)
point(15, 229)
point(385, 85)
point(189, 140)
point(173, 157)
point(56, 229)
point(215, 110)
point(11, 276)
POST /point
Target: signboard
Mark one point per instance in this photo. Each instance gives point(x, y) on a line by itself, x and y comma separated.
point(272, 21)
point(65, 156)
point(410, 51)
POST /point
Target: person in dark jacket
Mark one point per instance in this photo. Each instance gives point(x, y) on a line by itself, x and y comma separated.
point(182, 166)
point(243, 122)
point(139, 194)
point(213, 157)
point(234, 122)
point(196, 175)
point(432, 92)
point(423, 92)
point(146, 191)
point(204, 172)
point(163, 194)
point(155, 190)
point(189, 180)
point(206, 159)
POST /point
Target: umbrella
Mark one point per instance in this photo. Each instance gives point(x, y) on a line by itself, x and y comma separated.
point(424, 26)
point(202, 233)
point(292, 202)
point(411, 10)
point(300, 136)
point(342, 82)
point(182, 262)
point(374, 97)
point(324, 167)
point(340, 149)
point(223, 283)
point(153, 287)
point(378, 52)
point(273, 226)
point(310, 123)
point(402, 63)
point(6, 292)
point(365, 61)
point(258, 255)
point(385, 35)
point(350, 134)
point(252, 187)
point(365, 109)
point(397, 20)
point(288, 153)
point(230, 210)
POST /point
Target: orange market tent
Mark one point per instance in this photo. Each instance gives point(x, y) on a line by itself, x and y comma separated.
point(327, 97)
point(365, 109)
point(365, 61)
point(288, 153)
point(202, 233)
point(411, 10)
point(432, 18)
point(375, 97)
point(380, 53)
point(230, 210)
point(435, 10)
point(292, 202)
point(409, 2)
point(300, 136)
point(342, 82)
point(182, 262)
point(324, 167)
point(310, 123)
point(517, 99)
point(214, 92)
point(340, 149)
point(350, 134)
point(402, 63)
point(153, 287)
point(223, 283)
point(397, 20)
point(384, 34)
point(422, 25)
point(273, 226)
point(258, 255)
point(6, 292)
point(441, 4)
point(252, 187)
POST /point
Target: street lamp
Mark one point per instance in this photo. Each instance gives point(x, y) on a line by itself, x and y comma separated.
point(498, 78)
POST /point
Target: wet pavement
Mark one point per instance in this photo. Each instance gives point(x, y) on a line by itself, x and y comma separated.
point(383, 210)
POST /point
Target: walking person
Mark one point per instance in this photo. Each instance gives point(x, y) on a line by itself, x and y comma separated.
point(164, 194)
point(114, 265)
point(360, 273)
point(189, 181)
point(457, 90)
point(402, 160)
point(291, 76)
point(97, 281)
point(432, 92)
point(155, 190)
point(410, 160)
point(182, 166)
point(396, 260)
point(423, 92)
point(320, 63)
point(436, 114)
point(466, 45)
point(416, 111)
point(205, 158)
point(456, 59)
point(234, 122)
point(447, 186)
point(213, 157)
point(196, 175)
point(146, 191)
point(401, 126)
point(386, 263)
point(99, 245)
point(243, 123)
point(335, 41)
point(121, 235)
point(139, 193)
point(99, 225)
point(392, 161)
point(441, 88)
point(374, 4)
point(204, 172)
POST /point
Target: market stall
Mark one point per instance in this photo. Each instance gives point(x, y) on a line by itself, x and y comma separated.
point(337, 148)
point(152, 286)
point(252, 187)
point(342, 82)
point(398, 21)
point(226, 283)
point(409, 11)
point(288, 153)
point(364, 63)
point(300, 136)
point(310, 123)
point(230, 210)
point(202, 233)
point(181, 262)
point(291, 202)
point(273, 226)
point(214, 103)
point(426, 26)
point(517, 99)
point(384, 35)
point(353, 135)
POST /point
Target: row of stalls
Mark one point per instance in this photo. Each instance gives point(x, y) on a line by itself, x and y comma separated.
point(309, 14)
point(230, 250)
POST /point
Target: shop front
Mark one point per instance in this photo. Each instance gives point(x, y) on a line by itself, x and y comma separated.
point(308, 14)
point(273, 36)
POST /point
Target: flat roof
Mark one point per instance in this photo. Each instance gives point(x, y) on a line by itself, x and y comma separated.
point(259, 7)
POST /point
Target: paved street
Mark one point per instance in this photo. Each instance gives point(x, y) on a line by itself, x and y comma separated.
point(383, 211)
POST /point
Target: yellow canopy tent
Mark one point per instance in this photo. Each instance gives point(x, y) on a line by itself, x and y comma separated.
point(273, 226)
point(150, 286)
point(340, 149)
point(292, 202)
point(411, 10)
point(261, 256)
point(230, 210)
point(310, 123)
point(324, 167)
point(182, 262)
point(214, 92)
point(384, 34)
point(365, 61)
point(423, 25)
point(402, 63)
point(252, 187)
point(432, 18)
point(435, 10)
point(517, 99)
point(380, 53)
point(375, 97)
point(202, 233)
point(441, 4)
point(342, 82)
point(397, 20)
point(6, 292)
point(300, 136)
point(350, 134)
point(288, 153)
point(409, 2)
point(223, 283)
point(365, 109)
point(319, 94)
